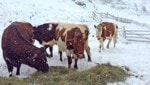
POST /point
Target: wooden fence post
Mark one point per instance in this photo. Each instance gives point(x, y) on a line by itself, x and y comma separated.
point(124, 32)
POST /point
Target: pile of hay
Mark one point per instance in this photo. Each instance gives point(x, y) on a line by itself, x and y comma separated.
point(99, 75)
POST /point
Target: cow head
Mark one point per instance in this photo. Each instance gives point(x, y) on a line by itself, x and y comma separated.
point(78, 43)
point(98, 31)
point(39, 60)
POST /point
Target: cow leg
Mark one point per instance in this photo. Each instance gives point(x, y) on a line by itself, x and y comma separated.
point(60, 53)
point(10, 68)
point(101, 46)
point(108, 43)
point(75, 65)
point(51, 51)
point(46, 46)
point(18, 69)
point(69, 61)
point(115, 40)
point(87, 49)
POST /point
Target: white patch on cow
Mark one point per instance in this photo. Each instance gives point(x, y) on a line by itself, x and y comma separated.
point(74, 55)
point(105, 28)
point(50, 43)
point(109, 37)
point(60, 28)
point(50, 27)
point(70, 52)
point(61, 45)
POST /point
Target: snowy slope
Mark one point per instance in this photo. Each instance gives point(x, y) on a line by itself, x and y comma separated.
point(133, 55)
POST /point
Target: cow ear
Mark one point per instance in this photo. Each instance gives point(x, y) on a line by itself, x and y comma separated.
point(95, 26)
point(34, 27)
point(55, 25)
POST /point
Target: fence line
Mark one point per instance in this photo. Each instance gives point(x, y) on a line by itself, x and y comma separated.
point(97, 16)
point(137, 35)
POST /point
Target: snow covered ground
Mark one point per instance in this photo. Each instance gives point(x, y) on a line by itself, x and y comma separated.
point(134, 55)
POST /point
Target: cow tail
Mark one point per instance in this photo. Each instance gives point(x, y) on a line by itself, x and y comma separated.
point(87, 33)
point(116, 31)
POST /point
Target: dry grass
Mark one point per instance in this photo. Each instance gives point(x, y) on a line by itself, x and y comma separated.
point(99, 75)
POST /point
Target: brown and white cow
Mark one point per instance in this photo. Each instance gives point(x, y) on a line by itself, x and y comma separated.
point(106, 30)
point(18, 49)
point(73, 39)
point(45, 34)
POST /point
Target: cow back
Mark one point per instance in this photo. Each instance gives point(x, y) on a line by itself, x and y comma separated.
point(25, 29)
point(15, 40)
point(45, 32)
point(83, 28)
point(108, 29)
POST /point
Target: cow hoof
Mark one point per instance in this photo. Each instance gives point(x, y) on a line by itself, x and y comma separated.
point(10, 75)
point(17, 74)
point(69, 66)
point(89, 60)
point(83, 55)
point(99, 51)
point(72, 57)
point(61, 60)
point(51, 55)
point(75, 67)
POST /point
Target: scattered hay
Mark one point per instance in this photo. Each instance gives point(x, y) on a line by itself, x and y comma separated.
point(99, 75)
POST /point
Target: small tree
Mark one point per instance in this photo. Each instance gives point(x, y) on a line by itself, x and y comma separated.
point(136, 7)
point(144, 9)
